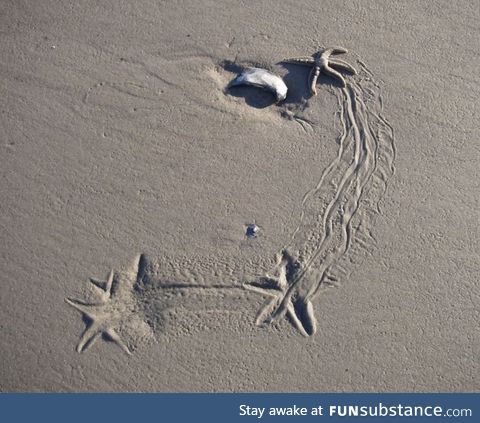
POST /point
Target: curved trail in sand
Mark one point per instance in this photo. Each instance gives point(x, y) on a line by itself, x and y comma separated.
point(357, 178)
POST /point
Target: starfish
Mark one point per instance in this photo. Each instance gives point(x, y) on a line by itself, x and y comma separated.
point(113, 311)
point(321, 62)
point(299, 310)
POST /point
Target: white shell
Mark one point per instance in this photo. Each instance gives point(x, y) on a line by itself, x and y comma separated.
point(263, 79)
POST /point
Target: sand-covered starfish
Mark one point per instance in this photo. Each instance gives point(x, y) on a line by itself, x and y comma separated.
point(114, 311)
point(321, 62)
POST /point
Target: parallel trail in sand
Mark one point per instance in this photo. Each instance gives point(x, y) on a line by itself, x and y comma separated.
point(366, 149)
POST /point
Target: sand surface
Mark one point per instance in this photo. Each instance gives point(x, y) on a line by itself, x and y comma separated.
point(121, 149)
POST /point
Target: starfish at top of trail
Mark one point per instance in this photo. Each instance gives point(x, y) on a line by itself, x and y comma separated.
point(321, 62)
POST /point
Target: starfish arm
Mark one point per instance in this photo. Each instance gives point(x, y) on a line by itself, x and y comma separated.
point(305, 316)
point(281, 279)
point(265, 313)
point(91, 334)
point(115, 337)
point(141, 266)
point(89, 310)
point(263, 291)
point(340, 64)
point(332, 72)
point(305, 61)
point(314, 73)
point(295, 320)
point(334, 50)
point(104, 288)
point(101, 285)
point(275, 294)
point(108, 285)
point(282, 304)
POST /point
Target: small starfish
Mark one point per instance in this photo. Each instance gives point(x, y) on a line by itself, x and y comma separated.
point(112, 311)
point(321, 62)
point(297, 309)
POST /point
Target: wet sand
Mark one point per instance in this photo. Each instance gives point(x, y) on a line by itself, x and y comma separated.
point(125, 159)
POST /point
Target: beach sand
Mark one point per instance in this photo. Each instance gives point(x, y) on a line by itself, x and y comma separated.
point(122, 149)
